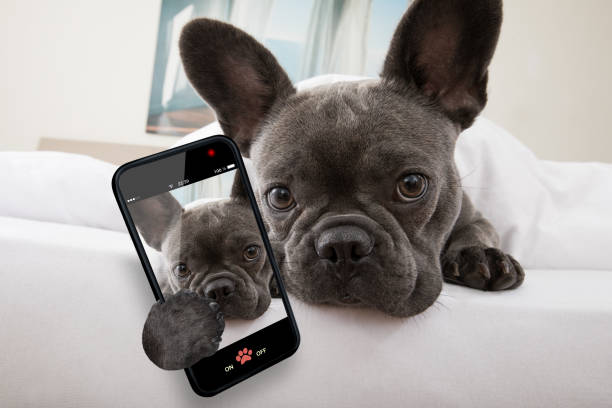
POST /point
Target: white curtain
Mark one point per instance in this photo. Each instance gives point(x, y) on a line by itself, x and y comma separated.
point(214, 187)
point(252, 16)
point(337, 38)
point(175, 80)
point(348, 55)
point(323, 22)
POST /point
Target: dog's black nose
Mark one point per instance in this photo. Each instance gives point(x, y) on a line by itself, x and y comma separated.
point(219, 289)
point(344, 243)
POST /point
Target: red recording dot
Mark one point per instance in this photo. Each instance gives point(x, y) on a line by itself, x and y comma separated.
point(211, 152)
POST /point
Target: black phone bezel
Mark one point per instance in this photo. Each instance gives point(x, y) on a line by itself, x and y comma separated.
point(291, 348)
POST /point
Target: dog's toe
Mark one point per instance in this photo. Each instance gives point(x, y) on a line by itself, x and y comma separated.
point(482, 268)
point(214, 306)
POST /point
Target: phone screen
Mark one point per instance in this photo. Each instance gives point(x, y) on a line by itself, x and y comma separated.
point(198, 229)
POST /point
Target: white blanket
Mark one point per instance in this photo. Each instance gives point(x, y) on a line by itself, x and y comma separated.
point(549, 214)
point(75, 298)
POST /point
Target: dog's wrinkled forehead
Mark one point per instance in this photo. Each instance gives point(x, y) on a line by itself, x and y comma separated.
point(213, 230)
point(348, 126)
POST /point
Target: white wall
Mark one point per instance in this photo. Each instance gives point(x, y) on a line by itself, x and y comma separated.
point(82, 70)
point(76, 70)
point(551, 77)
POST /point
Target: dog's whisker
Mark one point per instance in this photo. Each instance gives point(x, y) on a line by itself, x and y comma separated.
point(439, 303)
point(469, 173)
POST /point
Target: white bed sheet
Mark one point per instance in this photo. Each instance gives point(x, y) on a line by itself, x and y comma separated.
point(74, 300)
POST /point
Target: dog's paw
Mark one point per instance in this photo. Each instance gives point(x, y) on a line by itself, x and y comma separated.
point(181, 331)
point(482, 268)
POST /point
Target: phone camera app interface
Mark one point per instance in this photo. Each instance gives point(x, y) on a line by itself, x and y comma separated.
point(202, 240)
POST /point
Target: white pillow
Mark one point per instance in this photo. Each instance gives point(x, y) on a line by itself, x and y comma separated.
point(59, 187)
point(548, 214)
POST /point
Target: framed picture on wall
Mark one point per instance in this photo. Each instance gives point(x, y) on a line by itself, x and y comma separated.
point(308, 38)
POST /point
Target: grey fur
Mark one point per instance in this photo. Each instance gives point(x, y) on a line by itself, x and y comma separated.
point(341, 150)
point(181, 331)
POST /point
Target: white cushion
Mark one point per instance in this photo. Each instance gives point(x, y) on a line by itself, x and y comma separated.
point(59, 187)
point(549, 214)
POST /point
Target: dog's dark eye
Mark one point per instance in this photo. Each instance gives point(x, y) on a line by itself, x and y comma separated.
point(411, 187)
point(251, 253)
point(181, 271)
point(280, 198)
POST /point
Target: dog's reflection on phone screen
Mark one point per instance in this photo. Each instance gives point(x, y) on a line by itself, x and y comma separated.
point(213, 267)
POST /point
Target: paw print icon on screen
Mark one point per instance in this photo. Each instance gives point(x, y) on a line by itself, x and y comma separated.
point(244, 355)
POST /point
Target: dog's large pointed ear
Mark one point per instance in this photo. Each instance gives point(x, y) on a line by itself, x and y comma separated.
point(238, 192)
point(235, 74)
point(154, 216)
point(443, 47)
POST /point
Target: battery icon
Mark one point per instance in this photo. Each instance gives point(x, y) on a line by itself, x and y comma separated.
point(230, 166)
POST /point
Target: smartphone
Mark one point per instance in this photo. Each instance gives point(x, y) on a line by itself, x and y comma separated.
point(191, 213)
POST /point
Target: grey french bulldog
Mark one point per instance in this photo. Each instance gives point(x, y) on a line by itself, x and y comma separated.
point(214, 267)
point(357, 180)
